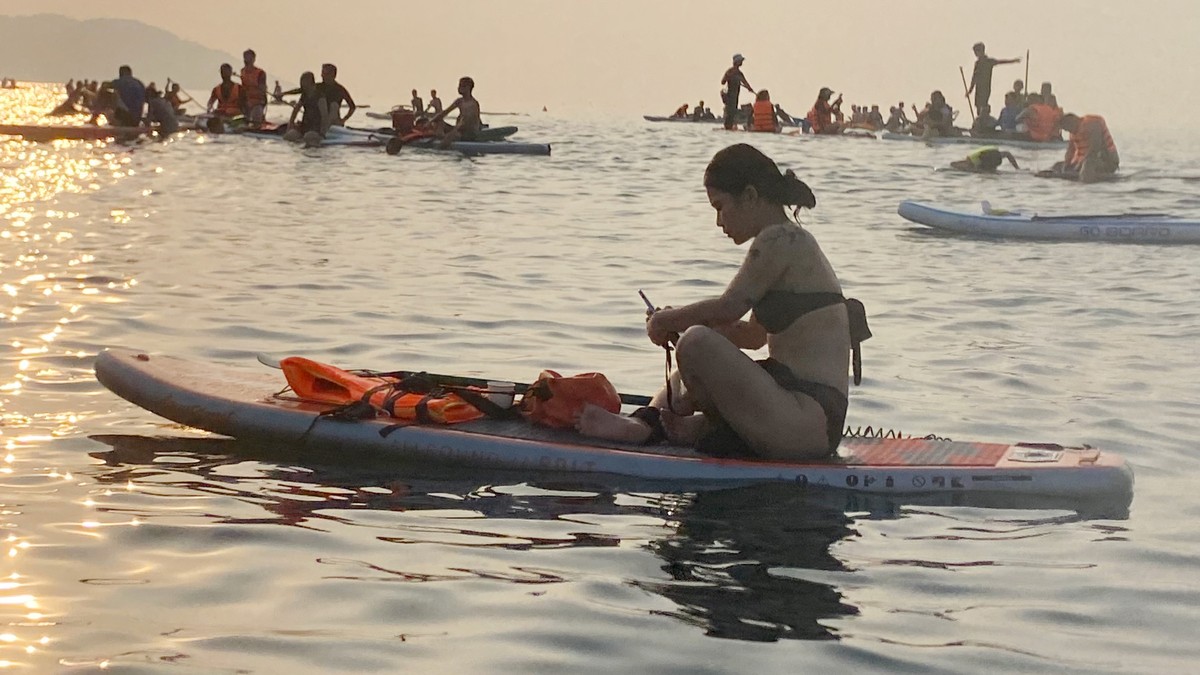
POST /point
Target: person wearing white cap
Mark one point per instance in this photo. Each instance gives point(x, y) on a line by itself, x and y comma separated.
point(733, 81)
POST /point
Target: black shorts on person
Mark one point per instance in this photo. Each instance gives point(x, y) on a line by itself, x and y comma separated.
point(723, 441)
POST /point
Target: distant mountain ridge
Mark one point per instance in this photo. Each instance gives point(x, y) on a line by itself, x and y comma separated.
point(54, 48)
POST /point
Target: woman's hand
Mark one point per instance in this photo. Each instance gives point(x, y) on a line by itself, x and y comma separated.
point(659, 327)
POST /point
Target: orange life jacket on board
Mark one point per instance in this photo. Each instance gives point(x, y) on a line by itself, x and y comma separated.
point(1043, 123)
point(764, 116)
point(322, 383)
point(231, 104)
point(1081, 139)
point(256, 90)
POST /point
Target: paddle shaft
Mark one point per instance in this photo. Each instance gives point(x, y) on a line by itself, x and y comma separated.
point(1027, 82)
point(967, 92)
point(518, 387)
point(457, 381)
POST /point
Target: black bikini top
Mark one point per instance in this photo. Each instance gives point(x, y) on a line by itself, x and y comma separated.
point(779, 309)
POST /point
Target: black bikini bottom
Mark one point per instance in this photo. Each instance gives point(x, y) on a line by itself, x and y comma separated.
point(722, 441)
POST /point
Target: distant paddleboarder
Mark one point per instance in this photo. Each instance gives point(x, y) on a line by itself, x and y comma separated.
point(733, 82)
point(254, 89)
point(981, 77)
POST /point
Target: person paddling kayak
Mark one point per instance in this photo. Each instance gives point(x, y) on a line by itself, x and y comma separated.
point(791, 406)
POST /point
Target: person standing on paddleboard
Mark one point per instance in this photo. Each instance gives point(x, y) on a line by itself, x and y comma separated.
point(733, 81)
point(981, 77)
point(791, 406)
point(254, 89)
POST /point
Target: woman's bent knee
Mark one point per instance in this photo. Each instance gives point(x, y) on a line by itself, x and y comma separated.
point(695, 342)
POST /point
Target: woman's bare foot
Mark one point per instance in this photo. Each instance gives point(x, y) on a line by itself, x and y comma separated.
point(682, 430)
point(597, 422)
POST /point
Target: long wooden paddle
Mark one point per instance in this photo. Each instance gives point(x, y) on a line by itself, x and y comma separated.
point(967, 92)
point(457, 381)
point(1028, 84)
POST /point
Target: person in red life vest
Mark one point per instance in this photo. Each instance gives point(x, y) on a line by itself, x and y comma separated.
point(1041, 120)
point(226, 99)
point(254, 89)
point(681, 111)
point(175, 96)
point(821, 117)
point(1091, 154)
point(762, 116)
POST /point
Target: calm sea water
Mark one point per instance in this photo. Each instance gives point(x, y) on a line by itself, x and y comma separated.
point(134, 545)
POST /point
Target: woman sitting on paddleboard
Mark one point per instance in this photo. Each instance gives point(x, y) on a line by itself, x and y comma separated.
point(790, 406)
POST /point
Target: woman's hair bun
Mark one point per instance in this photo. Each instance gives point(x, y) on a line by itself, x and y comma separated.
point(797, 192)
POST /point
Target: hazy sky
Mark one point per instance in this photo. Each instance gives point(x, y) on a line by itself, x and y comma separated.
point(1113, 57)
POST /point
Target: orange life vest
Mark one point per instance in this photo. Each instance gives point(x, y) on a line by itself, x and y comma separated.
point(228, 105)
point(322, 383)
point(1081, 139)
point(820, 117)
point(764, 116)
point(1043, 124)
point(256, 92)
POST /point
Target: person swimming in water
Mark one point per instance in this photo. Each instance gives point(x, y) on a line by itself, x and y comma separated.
point(985, 160)
point(790, 407)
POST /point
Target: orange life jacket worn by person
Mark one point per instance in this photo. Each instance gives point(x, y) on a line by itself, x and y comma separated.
point(254, 83)
point(763, 118)
point(229, 103)
point(820, 117)
point(1090, 125)
point(1043, 124)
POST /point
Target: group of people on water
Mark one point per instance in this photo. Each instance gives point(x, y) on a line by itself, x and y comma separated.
point(700, 113)
point(240, 99)
point(7, 83)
